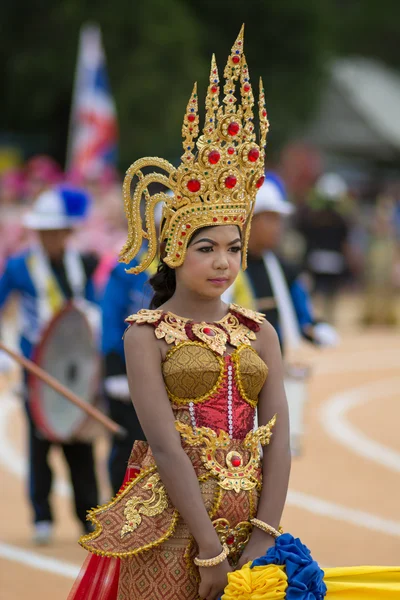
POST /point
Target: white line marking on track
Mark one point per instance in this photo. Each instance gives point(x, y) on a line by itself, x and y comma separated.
point(333, 416)
point(38, 561)
point(320, 507)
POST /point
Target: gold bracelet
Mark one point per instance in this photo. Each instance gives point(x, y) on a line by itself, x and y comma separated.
point(265, 527)
point(212, 562)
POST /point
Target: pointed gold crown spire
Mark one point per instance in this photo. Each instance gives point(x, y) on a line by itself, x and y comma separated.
point(218, 178)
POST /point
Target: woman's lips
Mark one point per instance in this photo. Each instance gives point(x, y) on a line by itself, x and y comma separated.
point(219, 280)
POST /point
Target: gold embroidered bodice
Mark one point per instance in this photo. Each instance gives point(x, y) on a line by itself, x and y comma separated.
point(220, 390)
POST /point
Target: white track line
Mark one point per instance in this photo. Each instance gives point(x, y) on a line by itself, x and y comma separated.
point(38, 561)
point(333, 416)
point(318, 506)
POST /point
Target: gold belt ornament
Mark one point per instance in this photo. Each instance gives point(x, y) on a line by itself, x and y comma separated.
point(234, 474)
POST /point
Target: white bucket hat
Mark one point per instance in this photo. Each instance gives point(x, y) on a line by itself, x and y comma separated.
point(272, 197)
point(57, 208)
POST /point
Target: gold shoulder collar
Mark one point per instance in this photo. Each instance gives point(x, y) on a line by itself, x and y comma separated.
point(246, 312)
point(145, 316)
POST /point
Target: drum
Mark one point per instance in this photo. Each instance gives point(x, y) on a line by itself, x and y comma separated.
point(68, 351)
point(296, 388)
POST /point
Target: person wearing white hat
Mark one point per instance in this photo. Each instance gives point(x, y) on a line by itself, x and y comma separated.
point(44, 277)
point(326, 233)
point(270, 285)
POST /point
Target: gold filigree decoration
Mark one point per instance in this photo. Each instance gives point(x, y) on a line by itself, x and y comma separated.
point(218, 178)
point(257, 317)
point(235, 538)
point(85, 541)
point(237, 478)
point(213, 336)
point(145, 316)
point(172, 328)
point(136, 506)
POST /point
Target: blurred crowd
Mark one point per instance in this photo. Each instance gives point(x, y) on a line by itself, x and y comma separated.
point(340, 237)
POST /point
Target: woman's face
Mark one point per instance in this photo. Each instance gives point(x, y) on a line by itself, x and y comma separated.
point(212, 261)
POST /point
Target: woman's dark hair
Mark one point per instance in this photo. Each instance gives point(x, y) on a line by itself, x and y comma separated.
point(163, 283)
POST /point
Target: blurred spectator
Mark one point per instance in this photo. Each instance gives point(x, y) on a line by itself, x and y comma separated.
point(326, 233)
point(381, 263)
point(41, 172)
point(12, 193)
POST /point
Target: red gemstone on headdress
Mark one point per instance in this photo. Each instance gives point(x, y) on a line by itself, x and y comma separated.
point(191, 117)
point(183, 233)
point(231, 150)
point(246, 87)
point(236, 59)
point(260, 181)
point(177, 255)
point(180, 243)
point(236, 461)
point(230, 182)
point(253, 155)
point(215, 219)
point(233, 128)
point(213, 157)
point(193, 185)
point(230, 539)
point(235, 218)
point(264, 113)
point(188, 225)
point(209, 331)
point(214, 89)
point(225, 218)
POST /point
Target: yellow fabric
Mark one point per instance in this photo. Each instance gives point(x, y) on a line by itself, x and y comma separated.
point(54, 297)
point(259, 583)
point(242, 292)
point(363, 583)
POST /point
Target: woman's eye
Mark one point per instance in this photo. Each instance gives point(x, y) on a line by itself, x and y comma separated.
point(236, 249)
point(206, 249)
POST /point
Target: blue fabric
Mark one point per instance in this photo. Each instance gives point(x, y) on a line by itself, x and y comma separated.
point(278, 182)
point(16, 279)
point(124, 295)
point(76, 201)
point(302, 303)
point(305, 578)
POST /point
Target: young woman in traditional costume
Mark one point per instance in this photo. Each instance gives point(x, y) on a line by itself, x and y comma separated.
point(205, 378)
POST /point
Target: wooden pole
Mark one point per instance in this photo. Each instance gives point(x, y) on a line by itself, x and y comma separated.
point(90, 410)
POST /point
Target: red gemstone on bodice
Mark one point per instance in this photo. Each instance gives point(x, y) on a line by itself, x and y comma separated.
point(230, 182)
point(233, 128)
point(193, 185)
point(209, 331)
point(213, 157)
point(253, 155)
point(231, 150)
point(236, 461)
point(230, 539)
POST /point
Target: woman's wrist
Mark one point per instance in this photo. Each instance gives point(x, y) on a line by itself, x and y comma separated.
point(210, 549)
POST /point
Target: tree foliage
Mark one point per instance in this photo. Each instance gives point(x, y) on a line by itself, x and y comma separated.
point(155, 50)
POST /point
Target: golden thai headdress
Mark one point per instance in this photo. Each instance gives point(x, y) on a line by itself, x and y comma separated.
point(218, 178)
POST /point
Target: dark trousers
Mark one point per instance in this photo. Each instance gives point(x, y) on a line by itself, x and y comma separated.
point(124, 414)
point(80, 460)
